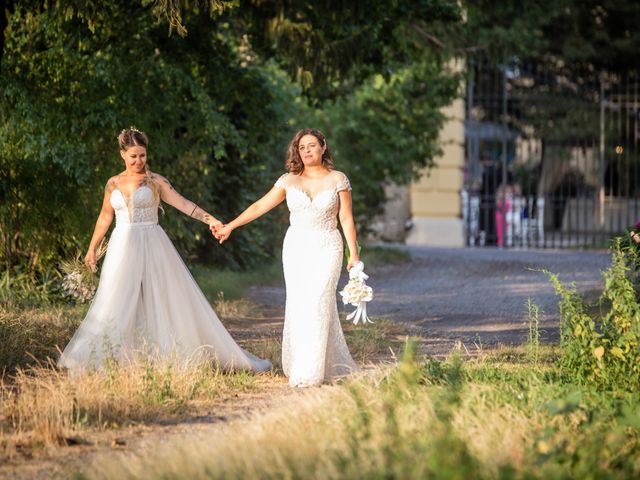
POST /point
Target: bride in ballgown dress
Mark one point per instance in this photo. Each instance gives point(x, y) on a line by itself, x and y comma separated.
point(313, 345)
point(147, 302)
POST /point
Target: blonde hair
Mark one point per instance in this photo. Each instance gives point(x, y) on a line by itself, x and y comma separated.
point(294, 163)
point(132, 137)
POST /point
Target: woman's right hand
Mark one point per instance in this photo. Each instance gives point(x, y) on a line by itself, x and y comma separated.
point(90, 260)
point(223, 233)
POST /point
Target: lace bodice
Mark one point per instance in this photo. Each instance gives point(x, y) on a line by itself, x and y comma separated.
point(142, 207)
point(318, 212)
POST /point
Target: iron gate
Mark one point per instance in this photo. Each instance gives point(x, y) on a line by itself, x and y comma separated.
point(551, 155)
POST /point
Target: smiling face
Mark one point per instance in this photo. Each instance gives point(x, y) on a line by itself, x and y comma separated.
point(310, 151)
point(135, 159)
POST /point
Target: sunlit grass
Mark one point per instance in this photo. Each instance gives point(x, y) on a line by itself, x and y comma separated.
point(367, 343)
point(422, 419)
point(46, 405)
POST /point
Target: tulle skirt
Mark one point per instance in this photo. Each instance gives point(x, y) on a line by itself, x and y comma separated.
point(147, 303)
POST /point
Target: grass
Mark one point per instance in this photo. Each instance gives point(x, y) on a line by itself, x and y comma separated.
point(473, 419)
point(42, 407)
point(367, 343)
point(233, 284)
point(381, 256)
point(45, 406)
point(32, 335)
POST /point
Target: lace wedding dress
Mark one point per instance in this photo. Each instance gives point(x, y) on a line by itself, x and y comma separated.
point(147, 302)
point(313, 345)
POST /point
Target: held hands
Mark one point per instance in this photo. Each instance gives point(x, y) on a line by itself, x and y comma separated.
point(223, 233)
point(220, 231)
point(214, 224)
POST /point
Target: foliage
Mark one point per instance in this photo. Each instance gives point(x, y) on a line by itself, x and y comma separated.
point(533, 340)
point(602, 351)
point(330, 46)
point(630, 251)
point(19, 288)
point(214, 101)
point(387, 130)
point(67, 91)
point(598, 34)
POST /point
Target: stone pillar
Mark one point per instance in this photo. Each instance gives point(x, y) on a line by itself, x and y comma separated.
point(436, 207)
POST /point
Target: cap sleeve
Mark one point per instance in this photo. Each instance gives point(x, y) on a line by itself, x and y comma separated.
point(343, 183)
point(280, 183)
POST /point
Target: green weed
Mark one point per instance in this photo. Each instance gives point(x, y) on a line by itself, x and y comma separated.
point(604, 350)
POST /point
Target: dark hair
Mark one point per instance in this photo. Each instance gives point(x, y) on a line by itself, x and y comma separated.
point(294, 164)
point(132, 137)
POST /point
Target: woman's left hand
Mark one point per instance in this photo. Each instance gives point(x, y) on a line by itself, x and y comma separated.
point(352, 261)
point(223, 233)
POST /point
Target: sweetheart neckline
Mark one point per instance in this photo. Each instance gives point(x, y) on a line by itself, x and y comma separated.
point(135, 190)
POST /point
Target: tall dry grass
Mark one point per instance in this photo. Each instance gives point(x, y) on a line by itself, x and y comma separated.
point(43, 405)
point(32, 335)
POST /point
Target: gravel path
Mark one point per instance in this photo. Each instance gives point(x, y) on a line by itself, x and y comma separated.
point(477, 296)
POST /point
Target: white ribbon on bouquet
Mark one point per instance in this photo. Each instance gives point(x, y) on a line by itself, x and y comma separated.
point(357, 293)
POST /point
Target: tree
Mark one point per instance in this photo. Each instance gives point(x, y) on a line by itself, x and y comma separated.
point(213, 98)
point(215, 125)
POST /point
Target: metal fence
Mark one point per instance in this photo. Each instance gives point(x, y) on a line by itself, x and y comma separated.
point(551, 155)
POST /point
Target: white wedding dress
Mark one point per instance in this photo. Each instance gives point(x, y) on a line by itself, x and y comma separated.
point(313, 345)
point(147, 302)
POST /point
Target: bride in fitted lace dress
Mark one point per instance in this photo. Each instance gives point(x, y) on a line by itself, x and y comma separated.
point(147, 302)
point(313, 345)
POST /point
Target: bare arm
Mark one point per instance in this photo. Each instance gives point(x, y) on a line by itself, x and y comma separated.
point(273, 198)
point(102, 227)
point(169, 195)
point(348, 226)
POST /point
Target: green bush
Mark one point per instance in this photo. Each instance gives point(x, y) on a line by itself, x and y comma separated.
point(604, 350)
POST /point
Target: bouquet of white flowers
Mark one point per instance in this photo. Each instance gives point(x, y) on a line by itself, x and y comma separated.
point(80, 281)
point(357, 293)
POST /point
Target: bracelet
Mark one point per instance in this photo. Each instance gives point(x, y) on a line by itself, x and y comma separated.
point(194, 209)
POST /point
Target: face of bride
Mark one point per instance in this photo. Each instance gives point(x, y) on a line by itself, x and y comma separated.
point(135, 159)
point(310, 151)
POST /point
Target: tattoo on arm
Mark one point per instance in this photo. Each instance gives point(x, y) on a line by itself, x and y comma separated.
point(201, 215)
point(168, 183)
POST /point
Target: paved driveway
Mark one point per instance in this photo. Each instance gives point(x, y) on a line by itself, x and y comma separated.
point(480, 295)
point(477, 296)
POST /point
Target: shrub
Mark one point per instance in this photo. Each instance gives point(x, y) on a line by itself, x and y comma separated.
point(603, 351)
